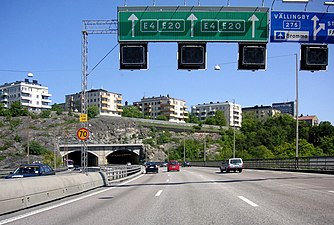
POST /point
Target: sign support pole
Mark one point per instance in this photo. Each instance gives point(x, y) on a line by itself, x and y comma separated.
point(84, 148)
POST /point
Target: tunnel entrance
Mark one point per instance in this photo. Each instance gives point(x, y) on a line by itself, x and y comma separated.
point(76, 157)
point(123, 157)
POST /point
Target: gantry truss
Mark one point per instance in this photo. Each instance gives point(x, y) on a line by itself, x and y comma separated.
point(90, 27)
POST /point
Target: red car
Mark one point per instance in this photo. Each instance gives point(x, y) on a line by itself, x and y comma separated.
point(173, 165)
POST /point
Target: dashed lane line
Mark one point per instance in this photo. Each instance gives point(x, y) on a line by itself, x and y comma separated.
point(248, 201)
point(158, 193)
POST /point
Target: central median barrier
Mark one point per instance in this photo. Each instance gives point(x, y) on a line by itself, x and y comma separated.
point(21, 193)
point(16, 194)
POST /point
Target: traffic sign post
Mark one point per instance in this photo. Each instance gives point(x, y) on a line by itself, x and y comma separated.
point(304, 27)
point(83, 134)
point(221, 24)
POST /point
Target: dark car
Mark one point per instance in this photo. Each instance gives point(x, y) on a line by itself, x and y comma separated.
point(186, 164)
point(151, 167)
point(173, 165)
point(31, 170)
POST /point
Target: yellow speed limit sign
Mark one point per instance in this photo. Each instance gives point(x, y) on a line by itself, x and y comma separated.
point(83, 134)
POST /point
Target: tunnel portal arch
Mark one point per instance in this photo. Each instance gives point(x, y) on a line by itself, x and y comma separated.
point(122, 157)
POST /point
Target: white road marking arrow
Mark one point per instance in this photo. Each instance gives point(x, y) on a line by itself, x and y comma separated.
point(315, 29)
point(254, 19)
point(133, 18)
point(192, 18)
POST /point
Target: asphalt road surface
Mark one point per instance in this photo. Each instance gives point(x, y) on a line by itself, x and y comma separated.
point(195, 196)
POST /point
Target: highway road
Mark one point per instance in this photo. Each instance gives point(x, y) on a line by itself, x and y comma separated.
point(195, 196)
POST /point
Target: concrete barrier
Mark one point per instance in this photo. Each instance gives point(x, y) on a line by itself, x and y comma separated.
point(16, 194)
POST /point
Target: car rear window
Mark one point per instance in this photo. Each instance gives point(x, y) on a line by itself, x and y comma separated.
point(173, 163)
point(235, 161)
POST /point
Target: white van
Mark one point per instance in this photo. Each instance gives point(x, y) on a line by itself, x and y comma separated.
point(233, 164)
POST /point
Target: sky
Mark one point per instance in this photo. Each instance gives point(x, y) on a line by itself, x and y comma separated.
point(44, 37)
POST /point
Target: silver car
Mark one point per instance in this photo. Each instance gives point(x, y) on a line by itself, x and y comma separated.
point(233, 164)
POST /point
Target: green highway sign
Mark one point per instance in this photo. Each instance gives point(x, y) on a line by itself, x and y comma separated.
point(197, 23)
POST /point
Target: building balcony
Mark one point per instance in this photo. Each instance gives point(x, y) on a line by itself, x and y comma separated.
point(46, 94)
point(46, 100)
point(4, 100)
point(104, 108)
point(104, 102)
point(119, 98)
point(119, 110)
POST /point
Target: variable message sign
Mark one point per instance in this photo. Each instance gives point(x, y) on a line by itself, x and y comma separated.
point(305, 27)
point(195, 23)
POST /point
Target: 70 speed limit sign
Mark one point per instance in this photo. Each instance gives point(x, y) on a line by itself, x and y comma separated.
point(83, 134)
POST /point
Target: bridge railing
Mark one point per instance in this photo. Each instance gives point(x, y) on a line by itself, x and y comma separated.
point(321, 163)
point(120, 171)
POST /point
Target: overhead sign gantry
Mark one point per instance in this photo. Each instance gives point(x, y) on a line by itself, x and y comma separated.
point(196, 23)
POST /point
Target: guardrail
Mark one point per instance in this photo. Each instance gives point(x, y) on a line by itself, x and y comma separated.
point(119, 172)
point(314, 164)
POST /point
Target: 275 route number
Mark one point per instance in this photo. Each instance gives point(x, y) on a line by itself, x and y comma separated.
point(83, 134)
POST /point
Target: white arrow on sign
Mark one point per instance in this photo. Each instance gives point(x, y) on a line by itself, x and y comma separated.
point(315, 29)
point(133, 18)
point(254, 19)
point(192, 18)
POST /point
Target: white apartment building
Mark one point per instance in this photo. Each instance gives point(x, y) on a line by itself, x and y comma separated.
point(30, 94)
point(174, 109)
point(231, 111)
point(109, 103)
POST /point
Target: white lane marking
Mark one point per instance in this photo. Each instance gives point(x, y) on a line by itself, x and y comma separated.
point(248, 201)
point(331, 191)
point(158, 193)
point(167, 180)
point(9, 220)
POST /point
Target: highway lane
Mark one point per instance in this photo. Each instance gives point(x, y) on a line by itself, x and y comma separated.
point(196, 196)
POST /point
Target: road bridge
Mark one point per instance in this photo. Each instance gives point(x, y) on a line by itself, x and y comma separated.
point(102, 154)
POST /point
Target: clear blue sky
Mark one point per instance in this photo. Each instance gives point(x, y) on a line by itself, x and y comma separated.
point(44, 37)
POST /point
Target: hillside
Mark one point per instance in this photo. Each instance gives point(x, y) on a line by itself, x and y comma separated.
point(158, 137)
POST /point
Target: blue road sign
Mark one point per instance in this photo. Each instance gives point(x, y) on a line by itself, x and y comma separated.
point(305, 27)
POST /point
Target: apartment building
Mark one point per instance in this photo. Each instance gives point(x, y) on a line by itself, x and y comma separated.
point(30, 94)
point(109, 103)
point(231, 111)
point(261, 112)
point(174, 109)
point(309, 120)
point(285, 107)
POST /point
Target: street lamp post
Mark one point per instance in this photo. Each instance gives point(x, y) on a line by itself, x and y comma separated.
point(297, 122)
point(28, 131)
point(233, 129)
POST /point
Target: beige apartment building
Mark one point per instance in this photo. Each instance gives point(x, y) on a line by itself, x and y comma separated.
point(231, 111)
point(261, 112)
point(109, 103)
point(30, 94)
point(174, 109)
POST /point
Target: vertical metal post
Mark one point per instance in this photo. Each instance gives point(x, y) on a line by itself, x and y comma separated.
point(233, 129)
point(204, 151)
point(84, 149)
point(184, 148)
point(297, 122)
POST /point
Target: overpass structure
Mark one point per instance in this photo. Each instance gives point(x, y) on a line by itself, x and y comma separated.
point(103, 154)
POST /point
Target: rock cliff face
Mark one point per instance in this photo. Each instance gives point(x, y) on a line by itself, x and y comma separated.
point(15, 133)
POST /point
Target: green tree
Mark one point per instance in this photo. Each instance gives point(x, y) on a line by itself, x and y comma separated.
point(132, 111)
point(57, 108)
point(16, 109)
point(93, 111)
point(220, 118)
point(162, 117)
point(45, 114)
point(36, 148)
